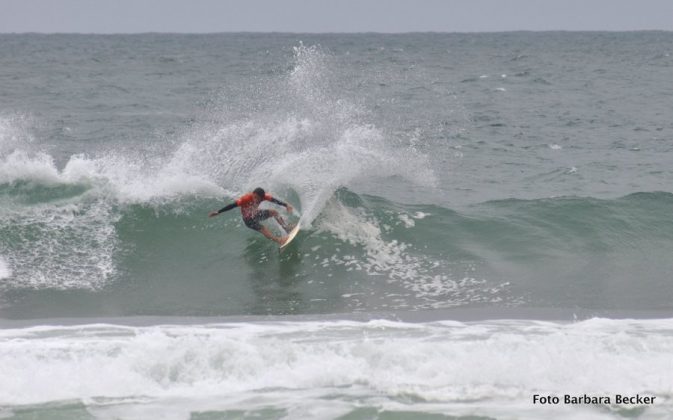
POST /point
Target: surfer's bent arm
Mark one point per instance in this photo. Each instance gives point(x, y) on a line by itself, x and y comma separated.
point(223, 209)
point(281, 203)
point(276, 201)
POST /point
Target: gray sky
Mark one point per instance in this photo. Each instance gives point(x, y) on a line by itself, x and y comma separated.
point(132, 16)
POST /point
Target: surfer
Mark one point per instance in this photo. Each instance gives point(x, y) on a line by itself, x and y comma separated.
point(252, 215)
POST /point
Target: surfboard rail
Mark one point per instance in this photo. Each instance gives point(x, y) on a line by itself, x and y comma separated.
point(290, 236)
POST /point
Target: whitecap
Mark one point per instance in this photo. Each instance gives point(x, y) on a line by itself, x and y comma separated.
point(5, 271)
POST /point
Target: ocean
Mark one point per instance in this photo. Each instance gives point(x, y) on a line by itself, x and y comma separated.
point(486, 226)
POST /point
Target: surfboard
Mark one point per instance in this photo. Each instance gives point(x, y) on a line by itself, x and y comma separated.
point(290, 236)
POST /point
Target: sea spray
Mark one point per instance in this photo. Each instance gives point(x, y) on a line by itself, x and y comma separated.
point(15, 132)
point(5, 271)
point(317, 142)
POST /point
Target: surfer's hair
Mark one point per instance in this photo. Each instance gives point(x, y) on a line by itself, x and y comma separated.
point(259, 192)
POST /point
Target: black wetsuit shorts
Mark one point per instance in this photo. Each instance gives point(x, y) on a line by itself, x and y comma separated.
point(254, 221)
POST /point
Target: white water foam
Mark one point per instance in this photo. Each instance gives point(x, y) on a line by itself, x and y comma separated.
point(485, 368)
point(5, 271)
point(75, 247)
point(66, 243)
point(429, 279)
point(71, 242)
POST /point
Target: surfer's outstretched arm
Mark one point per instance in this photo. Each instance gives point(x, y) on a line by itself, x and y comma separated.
point(223, 209)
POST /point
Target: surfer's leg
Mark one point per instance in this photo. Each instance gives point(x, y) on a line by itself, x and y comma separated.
point(280, 220)
point(254, 224)
point(267, 233)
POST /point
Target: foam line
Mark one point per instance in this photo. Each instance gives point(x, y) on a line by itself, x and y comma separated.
point(5, 271)
point(443, 364)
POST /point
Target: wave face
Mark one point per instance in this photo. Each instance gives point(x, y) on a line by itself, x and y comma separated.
point(361, 253)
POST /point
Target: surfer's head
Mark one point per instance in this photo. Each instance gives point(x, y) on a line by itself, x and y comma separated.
point(259, 192)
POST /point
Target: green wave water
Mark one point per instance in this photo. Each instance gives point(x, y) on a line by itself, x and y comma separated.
point(362, 253)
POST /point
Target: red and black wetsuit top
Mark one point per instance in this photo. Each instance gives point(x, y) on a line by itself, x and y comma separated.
point(249, 204)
